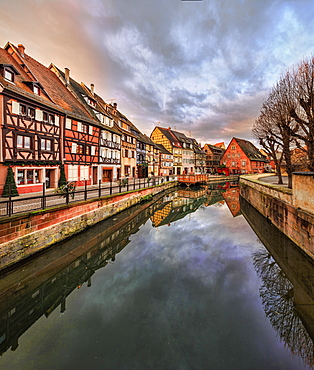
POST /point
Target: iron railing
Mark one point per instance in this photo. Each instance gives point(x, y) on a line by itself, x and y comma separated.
point(49, 198)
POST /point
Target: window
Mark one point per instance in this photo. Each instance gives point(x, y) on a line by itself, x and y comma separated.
point(80, 149)
point(68, 123)
point(51, 119)
point(31, 112)
point(243, 163)
point(46, 144)
point(84, 172)
point(39, 115)
point(23, 110)
point(36, 90)
point(8, 75)
point(104, 152)
point(233, 147)
point(45, 116)
point(84, 128)
point(72, 172)
point(88, 150)
point(23, 142)
point(27, 176)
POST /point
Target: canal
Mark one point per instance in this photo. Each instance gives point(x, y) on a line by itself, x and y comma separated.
point(191, 280)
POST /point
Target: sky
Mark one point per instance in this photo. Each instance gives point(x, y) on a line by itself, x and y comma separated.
point(200, 67)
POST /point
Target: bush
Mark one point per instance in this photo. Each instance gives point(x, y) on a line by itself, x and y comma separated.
point(10, 182)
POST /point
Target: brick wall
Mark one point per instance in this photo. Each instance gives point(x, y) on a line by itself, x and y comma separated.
point(24, 235)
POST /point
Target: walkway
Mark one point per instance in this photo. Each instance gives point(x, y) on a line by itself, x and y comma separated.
point(273, 179)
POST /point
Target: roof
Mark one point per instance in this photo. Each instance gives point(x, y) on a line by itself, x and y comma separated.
point(170, 136)
point(250, 150)
point(162, 149)
point(220, 145)
point(215, 148)
point(55, 93)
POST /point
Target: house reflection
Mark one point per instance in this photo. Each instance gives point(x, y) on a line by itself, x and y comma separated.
point(287, 291)
point(38, 286)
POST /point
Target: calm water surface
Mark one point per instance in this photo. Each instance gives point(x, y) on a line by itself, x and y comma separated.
point(184, 284)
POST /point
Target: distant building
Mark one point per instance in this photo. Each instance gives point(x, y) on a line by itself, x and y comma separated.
point(241, 156)
point(213, 157)
point(166, 161)
point(165, 137)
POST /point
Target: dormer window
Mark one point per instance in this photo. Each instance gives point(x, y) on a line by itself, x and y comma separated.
point(8, 72)
point(8, 75)
point(35, 86)
point(90, 101)
point(36, 90)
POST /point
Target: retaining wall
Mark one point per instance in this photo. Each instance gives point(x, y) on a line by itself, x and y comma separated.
point(277, 204)
point(24, 235)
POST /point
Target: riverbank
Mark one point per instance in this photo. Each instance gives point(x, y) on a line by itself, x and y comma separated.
point(290, 210)
point(29, 233)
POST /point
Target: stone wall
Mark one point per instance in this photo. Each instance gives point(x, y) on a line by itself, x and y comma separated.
point(277, 205)
point(24, 235)
point(303, 190)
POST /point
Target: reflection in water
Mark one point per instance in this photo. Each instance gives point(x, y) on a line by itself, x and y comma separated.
point(42, 284)
point(185, 305)
point(288, 285)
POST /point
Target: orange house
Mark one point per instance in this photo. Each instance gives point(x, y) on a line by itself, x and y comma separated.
point(241, 157)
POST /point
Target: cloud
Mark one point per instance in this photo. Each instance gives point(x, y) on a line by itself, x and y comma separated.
point(204, 67)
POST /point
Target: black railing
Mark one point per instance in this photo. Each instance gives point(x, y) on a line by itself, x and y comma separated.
point(49, 198)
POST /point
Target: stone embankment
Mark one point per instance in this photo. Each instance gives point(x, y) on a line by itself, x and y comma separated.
point(290, 210)
point(23, 235)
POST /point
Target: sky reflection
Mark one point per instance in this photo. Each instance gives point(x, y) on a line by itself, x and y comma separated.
point(184, 296)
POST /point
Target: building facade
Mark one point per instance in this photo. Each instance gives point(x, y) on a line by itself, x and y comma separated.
point(241, 156)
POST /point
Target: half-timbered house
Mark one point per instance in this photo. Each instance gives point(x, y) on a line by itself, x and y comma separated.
point(165, 137)
point(129, 134)
point(166, 161)
point(30, 123)
point(106, 138)
point(213, 157)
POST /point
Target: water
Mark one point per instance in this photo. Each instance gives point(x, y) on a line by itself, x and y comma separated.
point(182, 284)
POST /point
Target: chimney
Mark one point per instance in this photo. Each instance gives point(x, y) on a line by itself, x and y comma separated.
point(115, 105)
point(67, 76)
point(92, 86)
point(21, 49)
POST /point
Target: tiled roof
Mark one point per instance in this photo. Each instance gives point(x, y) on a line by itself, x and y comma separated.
point(170, 136)
point(162, 149)
point(215, 148)
point(250, 150)
point(56, 91)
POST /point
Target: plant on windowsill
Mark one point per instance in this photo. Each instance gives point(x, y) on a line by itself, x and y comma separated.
point(10, 183)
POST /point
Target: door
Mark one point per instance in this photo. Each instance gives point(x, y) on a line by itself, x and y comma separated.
point(106, 175)
point(95, 175)
point(48, 178)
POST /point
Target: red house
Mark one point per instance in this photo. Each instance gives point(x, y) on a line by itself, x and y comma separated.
point(241, 156)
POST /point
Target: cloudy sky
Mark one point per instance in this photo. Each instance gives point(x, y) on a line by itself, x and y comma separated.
point(200, 67)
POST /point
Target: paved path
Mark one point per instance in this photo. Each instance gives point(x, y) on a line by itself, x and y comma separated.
point(273, 179)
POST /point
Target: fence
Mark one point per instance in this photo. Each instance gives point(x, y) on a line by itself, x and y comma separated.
point(68, 194)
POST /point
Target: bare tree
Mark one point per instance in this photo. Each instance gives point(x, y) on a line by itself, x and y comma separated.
point(263, 131)
point(275, 125)
point(303, 112)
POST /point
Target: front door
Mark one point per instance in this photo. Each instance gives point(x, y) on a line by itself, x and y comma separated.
point(48, 178)
point(95, 175)
point(106, 175)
